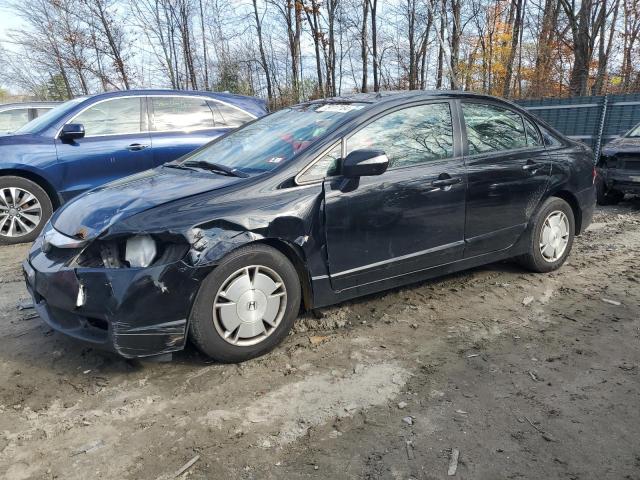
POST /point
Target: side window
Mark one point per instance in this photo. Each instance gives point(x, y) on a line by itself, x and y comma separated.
point(492, 129)
point(11, 120)
point(112, 117)
point(326, 166)
point(533, 137)
point(181, 114)
point(409, 136)
point(227, 116)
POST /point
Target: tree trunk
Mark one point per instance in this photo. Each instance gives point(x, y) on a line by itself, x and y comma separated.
point(455, 41)
point(364, 47)
point(542, 72)
point(373, 6)
point(440, 54)
point(515, 36)
point(205, 56)
point(263, 56)
point(411, 18)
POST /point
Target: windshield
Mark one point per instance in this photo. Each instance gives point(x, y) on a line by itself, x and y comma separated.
point(43, 121)
point(635, 131)
point(273, 140)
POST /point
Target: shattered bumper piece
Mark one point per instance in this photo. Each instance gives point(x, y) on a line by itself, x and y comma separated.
point(135, 312)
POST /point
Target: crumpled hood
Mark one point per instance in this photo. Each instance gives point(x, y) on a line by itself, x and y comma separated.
point(90, 214)
point(14, 139)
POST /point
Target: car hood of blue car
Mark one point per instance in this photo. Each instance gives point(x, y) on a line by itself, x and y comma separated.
point(90, 214)
point(19, 139)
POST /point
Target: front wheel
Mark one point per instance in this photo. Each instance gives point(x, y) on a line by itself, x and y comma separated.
point(24, 209)
point(247, 305)
point(551, 237)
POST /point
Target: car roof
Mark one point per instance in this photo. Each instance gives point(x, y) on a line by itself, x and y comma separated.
point(34, 104)
point(398, 96)
point(165, 91)
point(253, 105)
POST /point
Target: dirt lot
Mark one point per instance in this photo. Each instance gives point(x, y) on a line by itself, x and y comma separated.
point(528, 376)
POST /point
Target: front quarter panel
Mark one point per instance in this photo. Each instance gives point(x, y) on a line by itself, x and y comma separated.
point(216, 224)
point(33, 153)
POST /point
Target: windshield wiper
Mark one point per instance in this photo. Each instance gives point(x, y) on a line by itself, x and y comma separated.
point(215, 167)
point(178, 166)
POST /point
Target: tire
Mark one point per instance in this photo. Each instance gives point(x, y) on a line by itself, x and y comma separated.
point(22, 218)
point(214, 330)
point(554, 209)
point(606, 196)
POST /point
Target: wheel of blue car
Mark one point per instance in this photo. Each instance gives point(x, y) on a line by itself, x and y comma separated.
point(24, 209)
point(246, 305)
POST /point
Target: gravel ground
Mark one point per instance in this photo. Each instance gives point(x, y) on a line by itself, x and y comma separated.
point(525, 375)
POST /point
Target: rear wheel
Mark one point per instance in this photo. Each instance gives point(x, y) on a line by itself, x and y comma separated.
point(247, 305)
point(551, 237)
point(24, 209)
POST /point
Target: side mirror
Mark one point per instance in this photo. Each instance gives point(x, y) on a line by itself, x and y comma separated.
point(72, 131)
point(364, 163)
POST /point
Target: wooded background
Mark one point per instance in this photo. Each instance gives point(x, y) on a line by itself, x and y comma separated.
point(290, 50)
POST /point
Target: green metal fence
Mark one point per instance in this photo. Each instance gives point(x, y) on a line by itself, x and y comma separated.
point(593, 120)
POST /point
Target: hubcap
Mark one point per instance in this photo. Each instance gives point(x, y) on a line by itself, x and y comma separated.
point(554, 236)
point(20, 212)
point(249, 305)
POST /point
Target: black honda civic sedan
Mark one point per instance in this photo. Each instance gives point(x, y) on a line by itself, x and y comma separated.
point(309, 206)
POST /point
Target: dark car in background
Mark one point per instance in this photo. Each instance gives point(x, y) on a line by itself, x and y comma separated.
point(15, 115)
point(310, 206)
point(89, 141)
point(619, 168)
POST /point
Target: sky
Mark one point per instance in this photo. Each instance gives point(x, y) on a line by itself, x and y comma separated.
point(8, 21)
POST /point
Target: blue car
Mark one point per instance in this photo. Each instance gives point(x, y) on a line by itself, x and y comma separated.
point(92, 140)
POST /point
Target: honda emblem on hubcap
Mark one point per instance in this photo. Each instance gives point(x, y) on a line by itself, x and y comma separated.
point(251, 306)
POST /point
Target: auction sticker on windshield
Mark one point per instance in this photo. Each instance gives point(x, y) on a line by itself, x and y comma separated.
point(339, 107)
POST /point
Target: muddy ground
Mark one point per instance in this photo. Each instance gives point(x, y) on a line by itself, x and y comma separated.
point(384, 387)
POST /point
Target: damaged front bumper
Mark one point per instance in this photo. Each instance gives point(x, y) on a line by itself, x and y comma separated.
point(135, 312)
point(626, 181)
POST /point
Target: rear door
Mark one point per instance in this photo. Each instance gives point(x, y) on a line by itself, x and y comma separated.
point(407, 219)
point(508, 171)
point(116, 144)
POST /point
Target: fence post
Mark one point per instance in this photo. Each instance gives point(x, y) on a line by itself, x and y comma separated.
point(603, 117)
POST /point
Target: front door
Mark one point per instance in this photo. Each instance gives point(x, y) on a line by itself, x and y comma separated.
point(407, 219)
point(508, 171)
point(116, 144)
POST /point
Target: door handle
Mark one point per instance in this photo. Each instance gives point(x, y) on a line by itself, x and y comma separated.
point(446, 182)
point(136, 147)
point(530, 166)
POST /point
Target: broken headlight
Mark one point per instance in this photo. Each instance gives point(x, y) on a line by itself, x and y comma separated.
point(140, 251)
point(136, 251)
